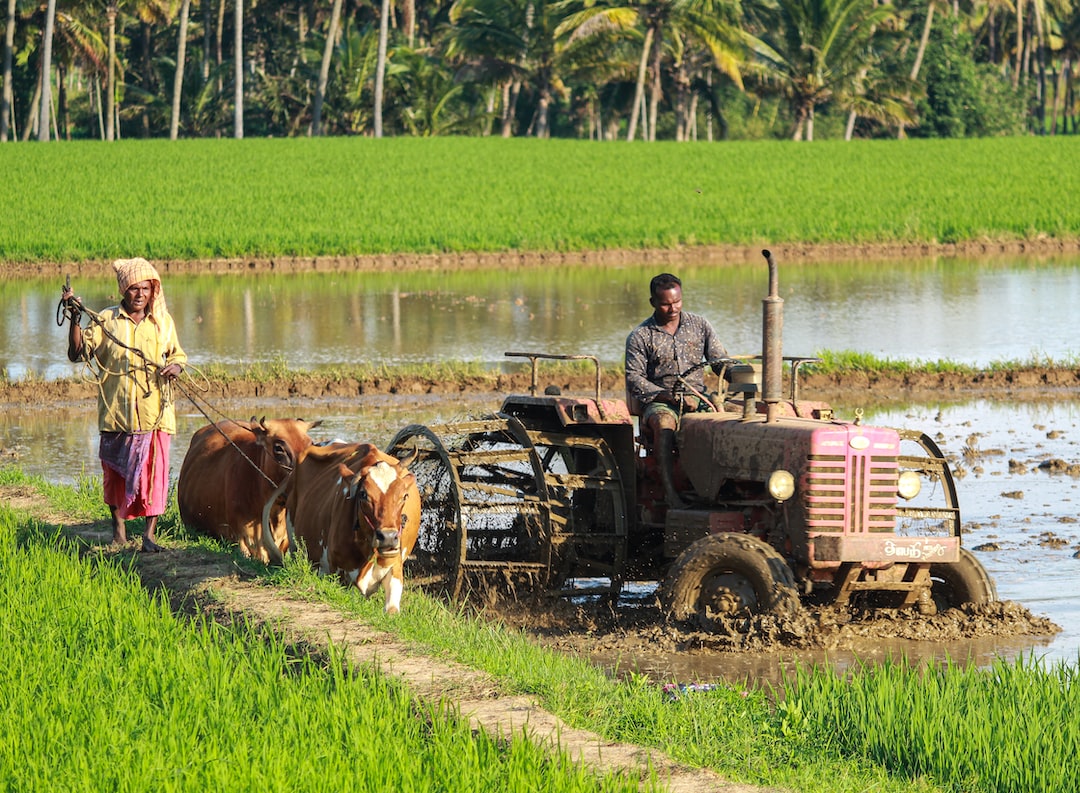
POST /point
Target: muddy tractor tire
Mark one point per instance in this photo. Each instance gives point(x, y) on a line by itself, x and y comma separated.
point(965, 581)
point(728, 575)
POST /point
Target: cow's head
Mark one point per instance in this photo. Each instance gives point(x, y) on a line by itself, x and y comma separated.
point(387, 503)
point(281, 440)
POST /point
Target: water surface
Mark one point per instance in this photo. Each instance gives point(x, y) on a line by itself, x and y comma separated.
point(941, 309)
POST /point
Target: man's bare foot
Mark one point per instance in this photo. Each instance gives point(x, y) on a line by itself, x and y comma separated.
point(149, 546)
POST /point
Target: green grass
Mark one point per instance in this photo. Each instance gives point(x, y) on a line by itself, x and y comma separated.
point(104, 689)
point(884, 727)
point(197, 199)
point(465, 373)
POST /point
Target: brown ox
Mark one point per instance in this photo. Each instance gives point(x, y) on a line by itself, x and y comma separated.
point(357, 510)
point(233, 473)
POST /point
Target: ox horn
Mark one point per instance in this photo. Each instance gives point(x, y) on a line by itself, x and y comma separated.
point(406, 462)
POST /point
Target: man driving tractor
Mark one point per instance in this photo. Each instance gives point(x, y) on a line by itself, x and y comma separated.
point(657, 351)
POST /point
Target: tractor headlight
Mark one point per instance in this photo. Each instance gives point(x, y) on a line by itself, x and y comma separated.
point(909, 485)
point(781, 485)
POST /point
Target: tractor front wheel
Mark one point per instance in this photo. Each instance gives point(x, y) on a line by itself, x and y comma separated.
point(965, 581)
point(728, 575)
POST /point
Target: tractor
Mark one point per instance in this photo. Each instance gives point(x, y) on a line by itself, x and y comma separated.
point(785, 503)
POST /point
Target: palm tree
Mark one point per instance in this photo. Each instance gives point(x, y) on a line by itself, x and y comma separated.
point(178, 79)
point(712, 23)
point(324, 69)
point(380, 65)
point(238, 58)
point(510, 43)
point(817, 51)
point(9, 96)
point(46, 70)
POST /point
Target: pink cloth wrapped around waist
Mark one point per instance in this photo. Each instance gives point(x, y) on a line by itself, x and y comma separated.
point(135, 468)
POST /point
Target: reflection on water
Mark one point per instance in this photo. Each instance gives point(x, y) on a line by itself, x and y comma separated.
point(1005, 499)
point(959, 310)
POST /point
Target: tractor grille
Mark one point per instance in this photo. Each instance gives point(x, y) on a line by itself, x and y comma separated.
point(854, 494)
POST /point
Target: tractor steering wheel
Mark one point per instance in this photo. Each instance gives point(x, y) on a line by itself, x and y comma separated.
point(683, 387)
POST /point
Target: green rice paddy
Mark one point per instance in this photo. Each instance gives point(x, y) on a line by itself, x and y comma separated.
point(141, 698)
point(197, 199)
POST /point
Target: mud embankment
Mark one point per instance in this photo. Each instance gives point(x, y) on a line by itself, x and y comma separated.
point(848, 388)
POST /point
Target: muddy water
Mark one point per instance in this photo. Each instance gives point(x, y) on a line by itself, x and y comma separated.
point(1020, 518)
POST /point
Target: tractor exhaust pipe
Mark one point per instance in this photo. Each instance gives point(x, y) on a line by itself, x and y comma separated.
point(772, 355)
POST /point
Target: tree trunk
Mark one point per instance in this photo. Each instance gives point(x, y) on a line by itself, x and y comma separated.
point(509, 110)
point(916, 67)
point(219, 47)
point(324, 69)
point(380, 66)
point(32, 112)
point(639, 87)
point(178, 78)
point(148, 82)
point(408, 11)
point(63, 122)
point(7, 109)
point(46, 71)
point(1019, 42)
point(207, 27)
point(238, 57)
point(655, 93)
point(110, 80)
point(682, 103)
point(542, 108)
point(1040, 63)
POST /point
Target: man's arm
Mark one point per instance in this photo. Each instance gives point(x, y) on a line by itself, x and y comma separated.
point(713, 348)
point(638, 385)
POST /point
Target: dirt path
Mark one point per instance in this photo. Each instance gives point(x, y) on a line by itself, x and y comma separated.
point(196, 580)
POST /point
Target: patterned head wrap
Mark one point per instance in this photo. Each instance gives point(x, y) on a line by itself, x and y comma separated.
point(137, 270)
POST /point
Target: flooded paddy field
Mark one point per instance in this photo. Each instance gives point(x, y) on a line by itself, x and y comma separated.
point(1018, 477)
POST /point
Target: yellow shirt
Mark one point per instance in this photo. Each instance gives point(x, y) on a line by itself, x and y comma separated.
point(131, 399)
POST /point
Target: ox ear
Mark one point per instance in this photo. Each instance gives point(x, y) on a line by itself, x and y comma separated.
point(350, 482)
point(310, 425)
point(405, 462)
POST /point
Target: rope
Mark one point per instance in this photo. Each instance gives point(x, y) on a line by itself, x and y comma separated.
point(191, 397)
point(72, 310)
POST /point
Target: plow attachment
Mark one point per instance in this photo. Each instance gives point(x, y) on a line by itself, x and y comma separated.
point(509, 504)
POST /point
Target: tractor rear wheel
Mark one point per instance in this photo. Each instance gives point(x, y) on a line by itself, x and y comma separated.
point(965, 581)
point(728, 575)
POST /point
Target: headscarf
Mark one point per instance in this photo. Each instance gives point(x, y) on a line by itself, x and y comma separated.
point(137, 270)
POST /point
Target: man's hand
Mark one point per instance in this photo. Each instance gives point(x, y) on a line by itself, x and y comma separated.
point(70, 299)
point(170, 372)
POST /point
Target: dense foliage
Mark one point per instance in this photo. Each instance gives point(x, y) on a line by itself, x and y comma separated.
point(598, 69)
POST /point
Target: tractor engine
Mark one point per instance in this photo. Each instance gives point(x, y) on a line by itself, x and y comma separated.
point(827, 495)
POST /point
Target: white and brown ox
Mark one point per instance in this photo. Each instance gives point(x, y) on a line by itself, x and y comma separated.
point(357, 510)
point(232, 478)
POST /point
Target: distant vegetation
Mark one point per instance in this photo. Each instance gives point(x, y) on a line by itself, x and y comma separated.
point(204, 199)
point(608, 70)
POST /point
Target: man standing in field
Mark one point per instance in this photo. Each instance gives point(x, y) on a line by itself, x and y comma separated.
point(134, 352)
point(657, 351)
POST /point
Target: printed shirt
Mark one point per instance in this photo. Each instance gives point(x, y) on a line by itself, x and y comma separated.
point(131, 398)
point(654, 358)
